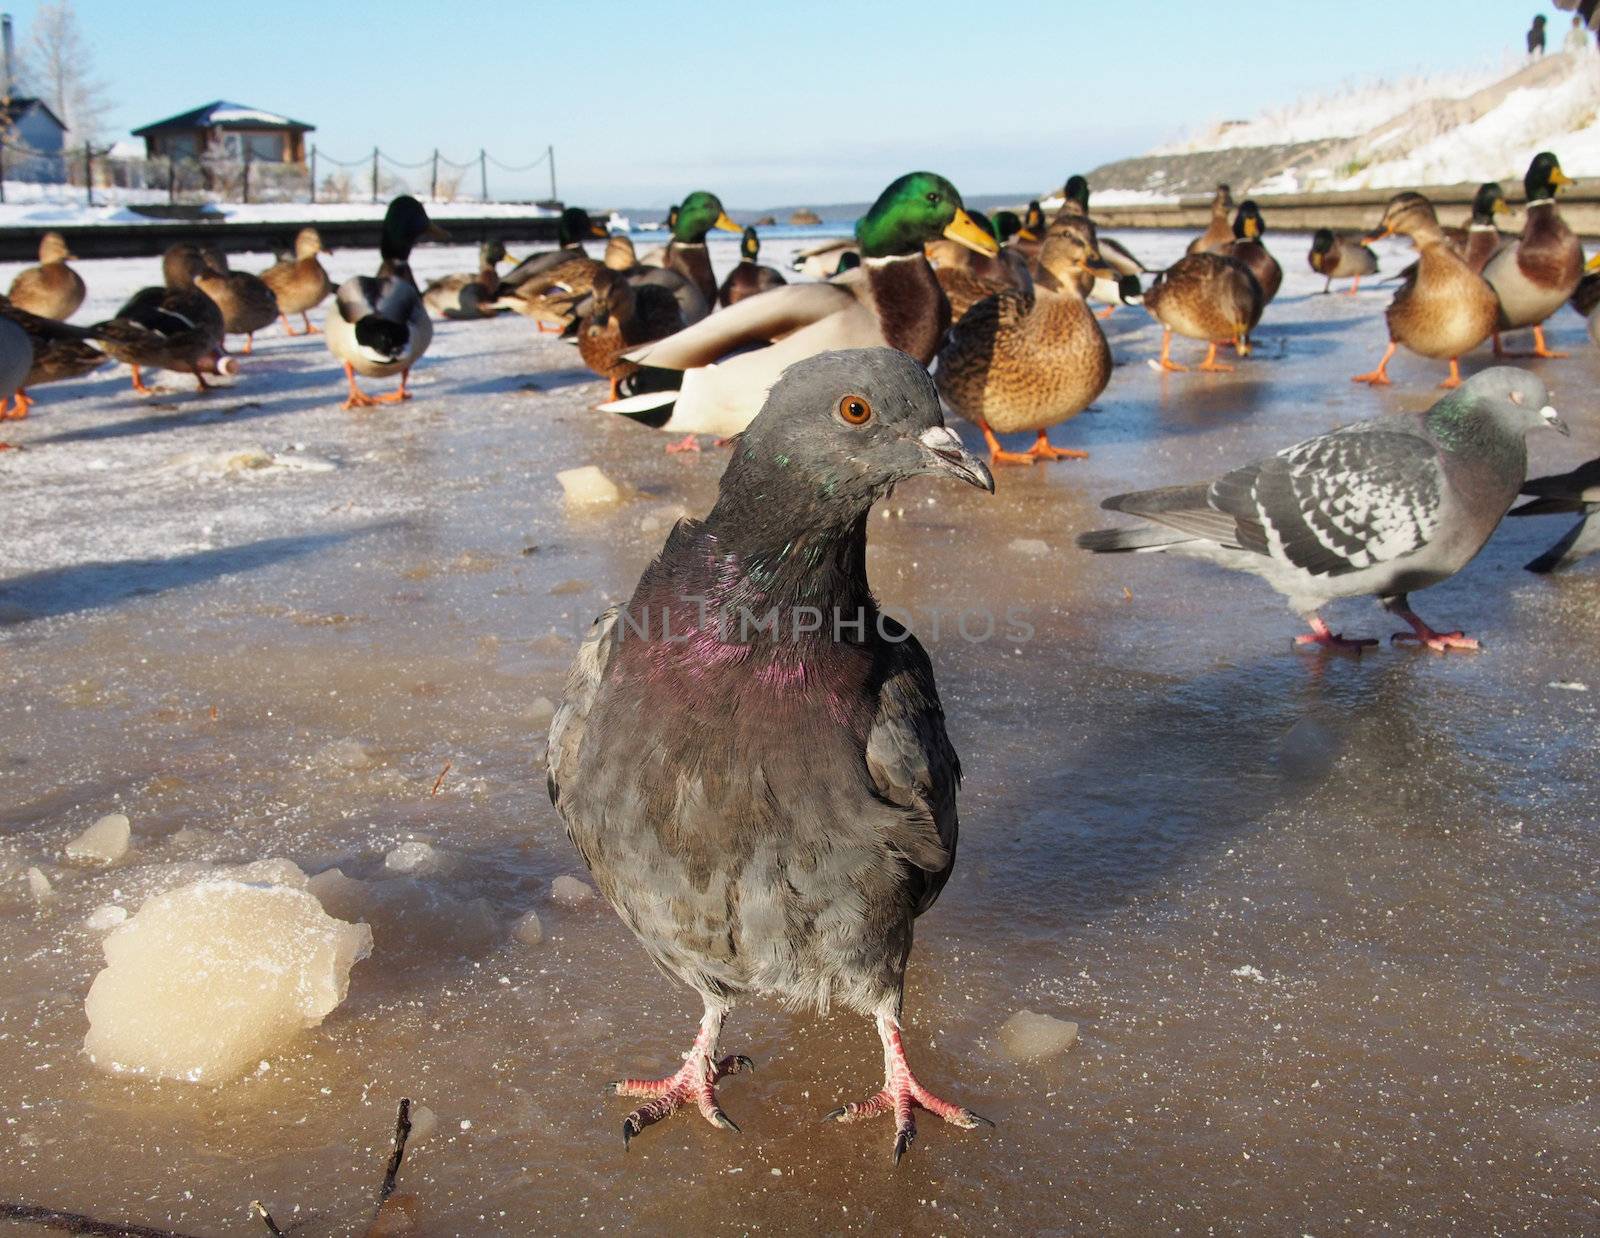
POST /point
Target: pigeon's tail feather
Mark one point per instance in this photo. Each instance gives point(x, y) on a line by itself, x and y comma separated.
point(1155, 502)
point(1550, 505)
point(1579, 542)
point(1135, 537)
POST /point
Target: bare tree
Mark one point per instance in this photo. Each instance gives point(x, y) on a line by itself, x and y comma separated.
point(57, 64)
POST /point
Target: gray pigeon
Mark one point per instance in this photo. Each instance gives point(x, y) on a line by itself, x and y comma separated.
point(1577, 491)
point(1378, 508)
point(751, 758)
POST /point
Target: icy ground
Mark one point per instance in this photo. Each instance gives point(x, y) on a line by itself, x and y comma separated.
point(1325, 925)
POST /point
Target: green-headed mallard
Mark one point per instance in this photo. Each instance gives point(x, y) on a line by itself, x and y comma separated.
point(300, 283)
point(1246, 247)
point(686, 254)
point(469, 294)
point(60, 351)
point(1118, 282)
point(52, 289)
point(693, 382)
point(379, 325)
point(1340, 257)
point(1029, 360)
point(1534, 275)
point(968, 277)
point(749, 277)
point(1444, 309)
point(1205, 296)
point(1481, 238)
point(1220, 230)
point(572, 230)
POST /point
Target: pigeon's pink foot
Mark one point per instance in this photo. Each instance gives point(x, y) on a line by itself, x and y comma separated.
point(694, 1082)
point(902, 1095)
point(1321, 635)
point(687, 443)
point(1424, 635)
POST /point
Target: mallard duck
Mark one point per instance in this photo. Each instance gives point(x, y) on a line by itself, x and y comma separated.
point(822, 260)
point(16, 360)
point(60, 351)
point(691, 382)
point(697, 215)
point(247, 302)
point(1220, 230)
point(1117, 256)
point(1030, 237)
point(564, 271)
point(625, 311)
point(968, 277)
point(749, 277)
point(572, 230)
point(1481, 238)
point(1443, 309)
point(1340, 257)
point(469, 294)
point(379, 325)
point(169, 329)
point(1246, 247)
point(1205, 296)
point(52, 289)
point(559, 299)
point(1029, 360)
point(1586, 297)
point(1534, 275)
point(300, 283)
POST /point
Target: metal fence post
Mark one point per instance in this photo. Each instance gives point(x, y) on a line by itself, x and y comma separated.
point(433, 185)
point(313, 175)
point(88, 174)
point(2, 172)
point(374, 173)
point(483, 174)
point(550, 153)
point(244, 185)
point(172, 180)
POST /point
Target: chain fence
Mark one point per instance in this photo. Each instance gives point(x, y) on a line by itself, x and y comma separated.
point(102, 177)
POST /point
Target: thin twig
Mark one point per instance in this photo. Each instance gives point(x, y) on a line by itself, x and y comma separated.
point(402, 1132)
point(266, 1218)
point(77, 1223)
point(439, 781)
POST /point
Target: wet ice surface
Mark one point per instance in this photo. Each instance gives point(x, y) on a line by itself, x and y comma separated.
point(1326, 925)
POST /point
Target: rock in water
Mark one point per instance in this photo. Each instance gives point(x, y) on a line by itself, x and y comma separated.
point(570, 891)
point(528, 930)
point(207, 979)
point(1028, 1036)
point(39, 886)
point(104, 842)
point(588, 487)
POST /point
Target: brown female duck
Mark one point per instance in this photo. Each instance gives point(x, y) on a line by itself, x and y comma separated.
point(625, 311)
point(60, 351)
point(1246, 247)
point(1220, 230)
point(300, 284)
point(52, 289)
point(1205, 296)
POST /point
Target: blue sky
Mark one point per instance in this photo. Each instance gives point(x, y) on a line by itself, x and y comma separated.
point(808, 101)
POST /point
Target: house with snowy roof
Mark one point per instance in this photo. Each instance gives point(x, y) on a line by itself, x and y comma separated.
point(231, 130)
point(34, 137)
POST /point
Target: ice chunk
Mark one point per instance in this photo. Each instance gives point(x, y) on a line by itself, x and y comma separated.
point(528, 930)
point(416, 857)
point(411, 918)
point(39, 886)
point(1033, 547)
point(541, 711)
point(570, 891)
point(352, 753)
point(270, 872)
point(209, 978)
point(104, 842)
point(1028, 1036)
point(423, 1122)
point(588, 487)
point(105, 917)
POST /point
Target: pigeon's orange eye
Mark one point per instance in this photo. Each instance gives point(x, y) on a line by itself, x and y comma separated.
point(855, 410)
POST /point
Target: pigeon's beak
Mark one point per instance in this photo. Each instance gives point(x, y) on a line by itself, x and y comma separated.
point(944, 453)
point(1553, 420)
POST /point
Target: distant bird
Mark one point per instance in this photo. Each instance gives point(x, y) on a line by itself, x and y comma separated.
point(1031, 237)
point(1341, 257)
point(379, 325)
point(770, 803)
point(1380, 508)
point(1205, 296)
point(821, 260)
point(469, 294)
point(697, 215)
point(1576, 492)
point(623, 311)
point(711, 377)
point(1247, 248)
point(1220, 230)
point(749, 277)
point(60, 351)
point(247, 302)
point(1444, 309)
point(545, 287)
point(1481, 239)
point(1126, 267)
point(300, 283)
point(1026, 360)
point(1535, 274)
point(572, 229)
point(52, 289)
point(1536, 35)
point(175, 327)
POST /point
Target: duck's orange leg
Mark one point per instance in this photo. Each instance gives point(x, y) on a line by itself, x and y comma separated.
point(249, 343)
point(1211, 364)
point(310, 330)
point(687, 443)
point(1107, 312)
point(399, 394)
point(287, 329)
point(1167, 363)
point(1539, 349)
point(1454, 380)
point(1355, 287)
point(25, 404)
point(201, 379)
point(357, 397)
point(998, 454)
point(1380, 376)
point(1043, 449)
point(138, 382)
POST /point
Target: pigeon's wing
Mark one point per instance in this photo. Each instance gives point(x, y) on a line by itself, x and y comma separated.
point(760, 319)
point(588, 673)
point(1337, 503)
point(913, 766)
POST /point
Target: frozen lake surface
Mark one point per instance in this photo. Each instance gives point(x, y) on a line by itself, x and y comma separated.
point(1327, 924)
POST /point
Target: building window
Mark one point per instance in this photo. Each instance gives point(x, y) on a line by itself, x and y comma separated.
point(265, 147)
point(180, 146)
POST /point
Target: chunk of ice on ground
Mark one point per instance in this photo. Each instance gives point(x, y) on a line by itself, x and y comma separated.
point(541, 711)
point(207, 979)
point(528, 930)
point(415, 857)
point(1028, 1036)
point(107, 916)
point(104, 842)
point(588, 487)
point(423, 1123)
point(570, 891)
point(39, 886)
point(1033, 547)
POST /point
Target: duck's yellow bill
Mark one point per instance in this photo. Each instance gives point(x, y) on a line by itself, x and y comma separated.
point(435, 233)
point(1593, 264)
point(1558, 177)
point(964, 230)
point(1500, 207)
point(1377, 236)
point(598, 230)
point(726, 224)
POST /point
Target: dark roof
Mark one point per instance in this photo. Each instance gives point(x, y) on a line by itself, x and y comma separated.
point(11, 110)
point(220, 114)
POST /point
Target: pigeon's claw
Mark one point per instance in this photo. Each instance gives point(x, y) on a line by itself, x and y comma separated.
point(1321, 635)
point(1420, 632)
point(694, 1083)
